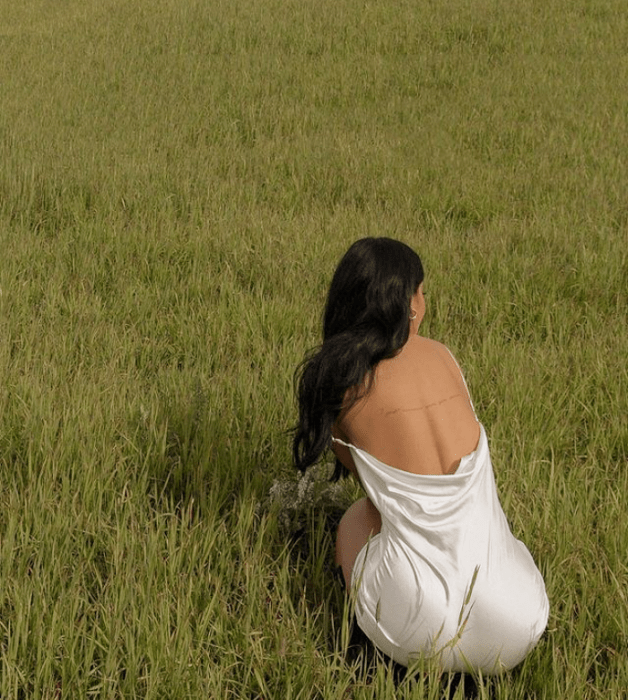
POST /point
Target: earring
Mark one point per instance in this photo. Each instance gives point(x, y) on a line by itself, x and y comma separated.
point(412, 317)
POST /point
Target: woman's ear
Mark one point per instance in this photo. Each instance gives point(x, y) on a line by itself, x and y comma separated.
point(417, 310)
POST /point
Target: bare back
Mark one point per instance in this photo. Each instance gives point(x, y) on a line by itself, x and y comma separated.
point(417, 416)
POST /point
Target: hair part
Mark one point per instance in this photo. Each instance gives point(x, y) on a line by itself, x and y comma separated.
point(365, 321)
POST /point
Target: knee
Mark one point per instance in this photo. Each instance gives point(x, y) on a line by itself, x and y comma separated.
point(361, 517)
point(361, 521)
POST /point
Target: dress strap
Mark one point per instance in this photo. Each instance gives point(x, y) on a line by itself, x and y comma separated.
point(341, 442)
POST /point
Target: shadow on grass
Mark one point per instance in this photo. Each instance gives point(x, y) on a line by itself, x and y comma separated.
point(188, 461)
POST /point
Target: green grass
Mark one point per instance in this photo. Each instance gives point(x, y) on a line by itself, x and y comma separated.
point(177, 182)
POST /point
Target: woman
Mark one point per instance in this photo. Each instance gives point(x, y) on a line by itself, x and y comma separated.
point(428, 552)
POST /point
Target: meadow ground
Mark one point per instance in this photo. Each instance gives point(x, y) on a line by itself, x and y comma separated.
point(177, 182)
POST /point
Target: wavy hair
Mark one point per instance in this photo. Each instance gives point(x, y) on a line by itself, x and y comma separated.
point(365, 322)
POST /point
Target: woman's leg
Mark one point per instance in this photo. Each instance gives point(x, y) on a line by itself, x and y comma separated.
point(361, 521)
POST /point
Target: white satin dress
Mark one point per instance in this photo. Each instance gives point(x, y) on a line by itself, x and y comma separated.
point(445, 576)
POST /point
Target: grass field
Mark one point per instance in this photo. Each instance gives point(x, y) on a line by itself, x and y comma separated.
point(177, 182)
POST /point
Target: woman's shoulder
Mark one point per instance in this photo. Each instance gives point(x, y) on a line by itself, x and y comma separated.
point(426, 352)
point(418, 344)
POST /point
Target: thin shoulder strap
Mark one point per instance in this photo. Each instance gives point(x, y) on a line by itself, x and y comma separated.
point(463, 380)
point(340, 442)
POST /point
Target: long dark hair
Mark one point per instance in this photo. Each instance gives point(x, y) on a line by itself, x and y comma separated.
point(365, 321)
